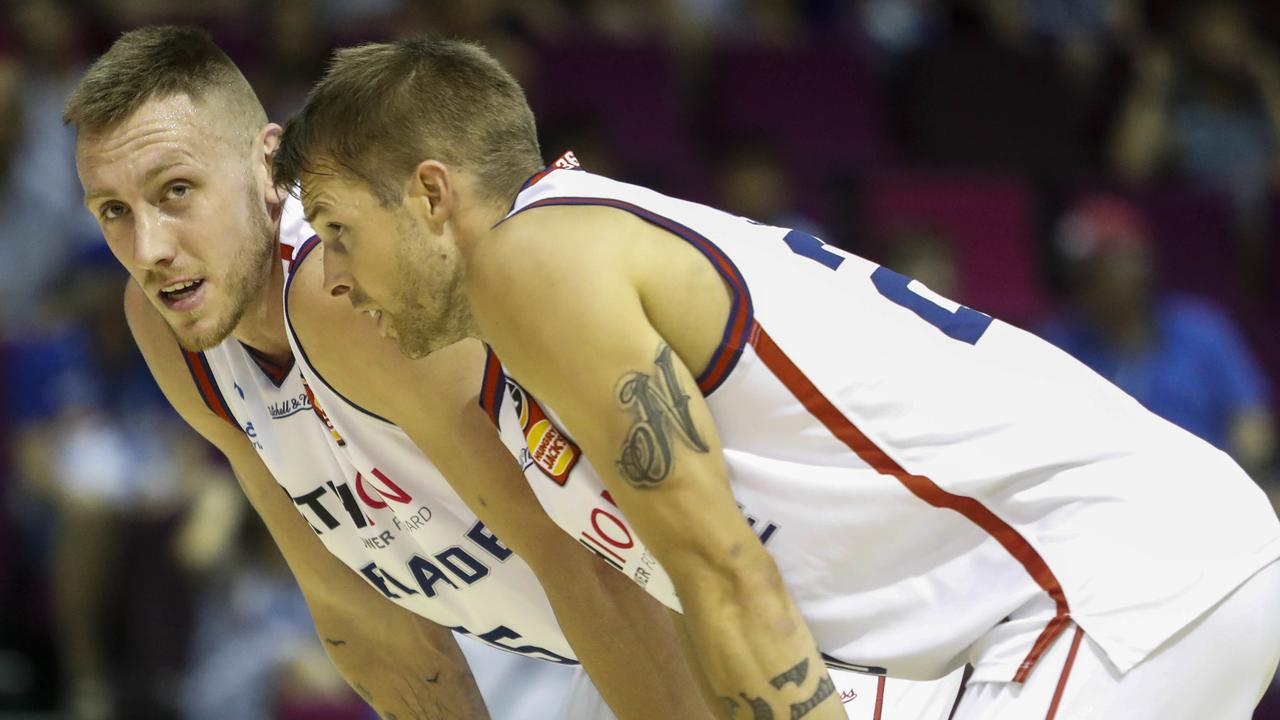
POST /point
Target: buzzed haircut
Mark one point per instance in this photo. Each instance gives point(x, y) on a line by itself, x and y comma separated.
point(156, 63)
point(383, 108)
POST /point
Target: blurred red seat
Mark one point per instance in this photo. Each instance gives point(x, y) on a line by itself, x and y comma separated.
point(989, 221)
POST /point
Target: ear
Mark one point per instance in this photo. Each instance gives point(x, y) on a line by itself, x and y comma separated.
point(264, 148)
point(430, 194)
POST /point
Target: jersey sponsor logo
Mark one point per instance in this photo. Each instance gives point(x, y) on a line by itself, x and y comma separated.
point(453, 567)
point(290, 406)
point(324, 417)
point(548, 446)
point(384, 487)
point(376, 494)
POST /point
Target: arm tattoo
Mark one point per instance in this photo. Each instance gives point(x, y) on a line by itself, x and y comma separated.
point(335, 643)
point(760, 709)
point(730, 706)
point(660, 406)
point(796, 674)
point(825, 689)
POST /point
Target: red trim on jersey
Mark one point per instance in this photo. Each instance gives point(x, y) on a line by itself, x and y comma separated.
point(301, 252)
point(208, 387)
point(879, 697)
point(491, 387)
point(286, 252)
point(922, 487)
point(601, 546)
point(1066, 672)
point(274, 371)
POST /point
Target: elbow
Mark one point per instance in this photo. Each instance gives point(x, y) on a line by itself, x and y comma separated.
point(723, 572)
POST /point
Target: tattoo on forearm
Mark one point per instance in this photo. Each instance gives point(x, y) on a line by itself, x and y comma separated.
point(661, 408)
point(825, 689)
point(335, 643)
point(760, 709)
point(796, 674)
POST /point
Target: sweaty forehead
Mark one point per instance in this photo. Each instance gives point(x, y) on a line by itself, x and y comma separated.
point(324, 189)
point(201, 128)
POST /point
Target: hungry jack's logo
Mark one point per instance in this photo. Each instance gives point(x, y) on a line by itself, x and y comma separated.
point(549, 449)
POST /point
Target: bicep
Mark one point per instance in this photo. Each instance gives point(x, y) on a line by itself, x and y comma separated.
point(632, 403)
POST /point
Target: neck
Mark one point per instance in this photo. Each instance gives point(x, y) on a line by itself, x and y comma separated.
point(472, 234)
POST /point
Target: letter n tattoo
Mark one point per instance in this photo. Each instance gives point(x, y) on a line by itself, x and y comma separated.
point(660, 407)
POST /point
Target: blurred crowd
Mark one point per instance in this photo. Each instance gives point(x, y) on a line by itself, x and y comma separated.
point(1103, 172)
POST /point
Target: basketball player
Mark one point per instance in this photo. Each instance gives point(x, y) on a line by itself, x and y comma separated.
point(944, 487)
point(173, 150)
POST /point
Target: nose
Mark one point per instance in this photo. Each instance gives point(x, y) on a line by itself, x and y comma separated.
point(153, 245)
point(337, 280)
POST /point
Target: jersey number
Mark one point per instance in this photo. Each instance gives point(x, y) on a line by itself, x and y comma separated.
point(962, 323)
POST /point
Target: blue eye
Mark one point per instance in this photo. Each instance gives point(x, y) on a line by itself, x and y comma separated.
point(112, 210)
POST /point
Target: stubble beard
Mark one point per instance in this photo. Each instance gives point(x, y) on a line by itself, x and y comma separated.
point(419, 329)
point(244, 283)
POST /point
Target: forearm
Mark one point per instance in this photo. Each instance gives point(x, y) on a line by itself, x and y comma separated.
point(626, 642)
point(405, 667)
point(757, 653)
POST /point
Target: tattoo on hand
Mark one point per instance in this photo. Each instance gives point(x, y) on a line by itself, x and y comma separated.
point(796, 674)
point(825, 689)
point(660, 406)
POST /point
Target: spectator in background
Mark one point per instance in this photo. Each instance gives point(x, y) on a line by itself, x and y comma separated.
point(925, 255)
point(109, 472)
point(1206, 107)
point(752, 182)
point(993, 95)
point(1180, 357)
point(38, 224)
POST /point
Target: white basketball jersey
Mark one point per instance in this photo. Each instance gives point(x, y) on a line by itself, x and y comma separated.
point(918, 470)
point(377, 503)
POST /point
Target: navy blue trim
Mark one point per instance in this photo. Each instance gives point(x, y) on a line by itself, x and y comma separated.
point(732, 341)
point(262, 362)
point(491, 397)
point(303, 251)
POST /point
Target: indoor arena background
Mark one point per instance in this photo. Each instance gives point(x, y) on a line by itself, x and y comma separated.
point(1062, 164)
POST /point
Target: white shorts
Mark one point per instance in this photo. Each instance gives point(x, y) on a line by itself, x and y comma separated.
point(515, 687)
point(1215, 668)
point(868, 697)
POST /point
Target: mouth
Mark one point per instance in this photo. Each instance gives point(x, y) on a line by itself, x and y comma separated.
point(182, 295)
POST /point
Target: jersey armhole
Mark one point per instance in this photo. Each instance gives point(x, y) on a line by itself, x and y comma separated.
point(202, 374)
point(491, 388)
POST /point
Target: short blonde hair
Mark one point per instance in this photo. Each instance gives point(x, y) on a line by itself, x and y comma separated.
point(156, 63)
point(382, 108)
